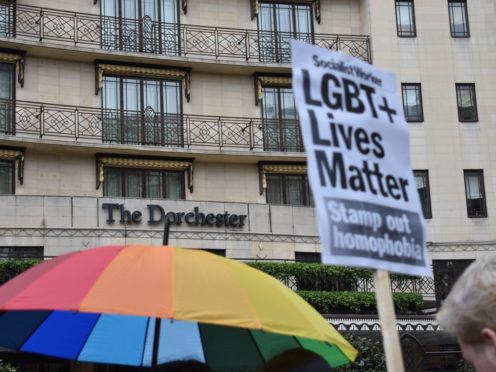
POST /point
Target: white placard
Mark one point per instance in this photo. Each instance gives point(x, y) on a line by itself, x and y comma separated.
point(356, 138)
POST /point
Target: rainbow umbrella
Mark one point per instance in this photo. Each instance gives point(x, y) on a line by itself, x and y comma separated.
point(145, 306)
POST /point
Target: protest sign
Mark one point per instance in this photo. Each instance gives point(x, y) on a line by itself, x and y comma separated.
point(356, 138)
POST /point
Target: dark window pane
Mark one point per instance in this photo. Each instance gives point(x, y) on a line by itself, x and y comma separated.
point(7, 177)
point(275, 193)
point(143, 183)
point(309, 257)
point(278, 24)
point(458, 17)
point(148, 26)
point(467, 103)
point(281, 129)
point(475, 194)
point(422, 182)
point(143, 111)
point(7, 71)
point(290, 189)
point(446, 272)
point(412, 102)
point(13, 252)
point(405, 18)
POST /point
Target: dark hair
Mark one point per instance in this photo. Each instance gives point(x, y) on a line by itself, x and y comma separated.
point(184, 366)
point(298, 360)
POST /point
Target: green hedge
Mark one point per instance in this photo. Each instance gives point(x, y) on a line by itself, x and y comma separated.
point(358, 302)
point(11, 268)
point(370, 358)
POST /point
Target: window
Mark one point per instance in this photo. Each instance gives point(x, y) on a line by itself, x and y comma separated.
point(278, 24)
point(412, 102)
point(142, 110)
point(405, 18)
point(458, 17)
point(7, 179)
point(149, 26)
point(7, 84)
point(6, 23)
point(467, 104)
point(143, 183)
point(446, 272)
point(474, 193)
point(281, 129)
point(307, 257)
point(422, 182)
point(218, 252)
point(21, 252)
point(291, 189)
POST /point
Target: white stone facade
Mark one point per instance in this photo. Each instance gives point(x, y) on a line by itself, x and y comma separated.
point(58, 205)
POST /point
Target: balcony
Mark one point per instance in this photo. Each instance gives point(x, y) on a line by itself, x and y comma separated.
point(26, 22)
point(148, 128)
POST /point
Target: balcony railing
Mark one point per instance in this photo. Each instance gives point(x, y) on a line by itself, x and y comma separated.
point(148, 36)
point(148, 128)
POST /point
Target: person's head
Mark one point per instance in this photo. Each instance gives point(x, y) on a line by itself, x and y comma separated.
point(297, 360)
point(469, 312)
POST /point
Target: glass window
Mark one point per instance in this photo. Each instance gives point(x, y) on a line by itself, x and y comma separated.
point(7, 177)
point(278, 24)
point(458, 17)
point(6, 20)
point(412, 102)
point(422, 182)
point(143, 183)
point(142, 111)
point(12, 252)
point(446, 272)
point(149, 26)
point(308, 257)
point(467, 104)
point(290, 189)
point(7, 81)
point(474, 193)
point(405, 18)
point(281, 128)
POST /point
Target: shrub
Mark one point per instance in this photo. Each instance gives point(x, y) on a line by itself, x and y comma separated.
point(358, 302)
point(370, 358)
point(11, 268)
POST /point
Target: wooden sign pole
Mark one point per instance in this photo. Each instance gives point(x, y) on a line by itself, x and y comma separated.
point(387, 318)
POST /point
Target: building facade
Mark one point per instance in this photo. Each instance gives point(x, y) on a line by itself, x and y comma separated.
point(119, 115)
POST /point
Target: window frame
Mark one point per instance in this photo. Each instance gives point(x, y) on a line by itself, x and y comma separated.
point(141, 112)
point(426, 208)
point(412, 33)
point(10, 125)
point(140, 43)
point(277, 54)
point(282, 140)
point(418, 89)
point(480, 174)
point(459, 88)
point(453, 34)
point(12, 163)
point(306, 198)
point(124, 170)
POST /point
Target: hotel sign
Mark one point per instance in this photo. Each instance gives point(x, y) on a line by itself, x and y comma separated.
point(156, 215)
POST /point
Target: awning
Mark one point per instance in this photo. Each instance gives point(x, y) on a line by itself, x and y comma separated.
point(143, 163)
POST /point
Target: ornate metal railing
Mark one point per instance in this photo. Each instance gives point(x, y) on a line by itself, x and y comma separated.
point(147, 128)
point(148, 36)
